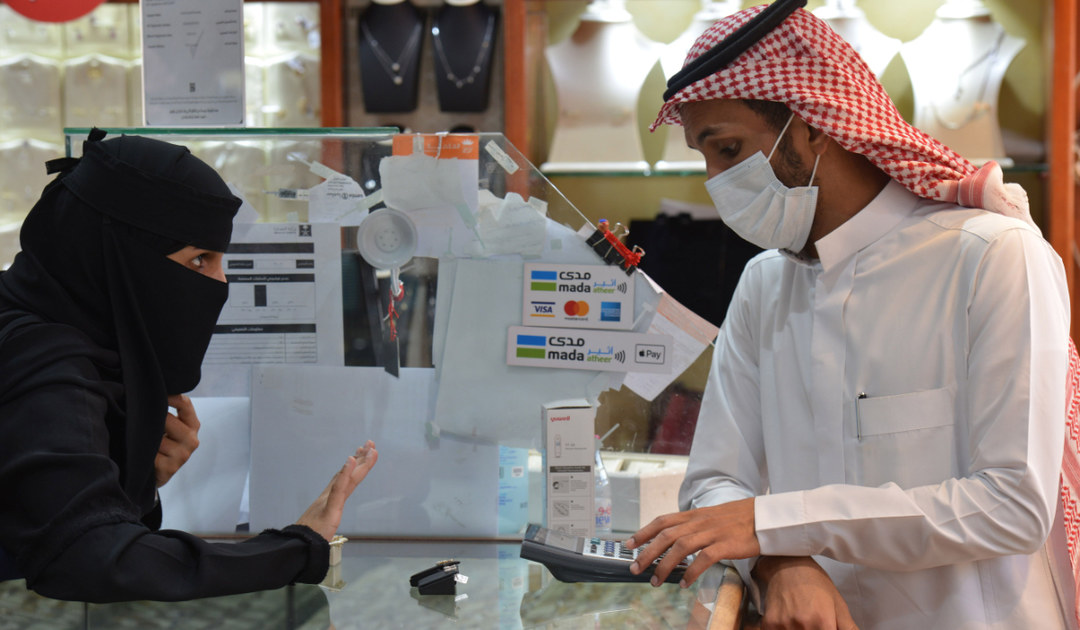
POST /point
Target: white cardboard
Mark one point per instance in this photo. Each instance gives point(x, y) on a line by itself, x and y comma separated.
point(577, 296)
point(600, 350)
point(570, 449)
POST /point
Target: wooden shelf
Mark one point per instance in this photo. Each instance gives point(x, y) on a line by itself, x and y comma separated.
point(1062, 224)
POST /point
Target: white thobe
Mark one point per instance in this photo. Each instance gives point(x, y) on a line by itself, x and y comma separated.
point(897, 407)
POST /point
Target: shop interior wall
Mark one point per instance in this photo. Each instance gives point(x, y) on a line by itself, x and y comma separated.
point(1022, 103)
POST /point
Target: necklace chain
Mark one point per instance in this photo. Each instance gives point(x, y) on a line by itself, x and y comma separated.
point(393, 67)
point(980, 107)
point(989, 55)
point(478, 65)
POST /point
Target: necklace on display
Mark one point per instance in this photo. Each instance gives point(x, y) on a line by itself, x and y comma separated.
point(478, 65)
point(391, 66)
point(981, 106)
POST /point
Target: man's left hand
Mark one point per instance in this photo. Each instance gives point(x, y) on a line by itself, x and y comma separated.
point(180, 440)
point(720, 532)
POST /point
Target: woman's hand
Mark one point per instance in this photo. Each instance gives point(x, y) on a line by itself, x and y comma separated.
point(324, 515)
point(180, 440)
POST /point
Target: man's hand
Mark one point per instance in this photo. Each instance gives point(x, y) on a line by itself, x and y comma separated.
point(180, 440)
point(324, 515)
point(797, 593)
point(721, 532)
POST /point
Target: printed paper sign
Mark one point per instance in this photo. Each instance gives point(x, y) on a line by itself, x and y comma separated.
point(193, 62)
point(578, 296)
point(599, 350)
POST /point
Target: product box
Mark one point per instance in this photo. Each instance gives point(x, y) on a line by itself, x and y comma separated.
point(570, 449)
point(643, 486)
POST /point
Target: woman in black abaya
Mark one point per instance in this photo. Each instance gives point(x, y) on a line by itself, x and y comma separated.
point(105, 316)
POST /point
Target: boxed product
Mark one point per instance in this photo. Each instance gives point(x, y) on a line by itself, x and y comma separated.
point(570, 449)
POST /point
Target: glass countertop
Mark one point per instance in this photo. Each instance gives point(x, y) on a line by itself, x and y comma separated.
point(370, 589)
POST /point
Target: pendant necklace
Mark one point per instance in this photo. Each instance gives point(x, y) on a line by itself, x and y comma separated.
point(981, 106)
point(478, 65)
point(391, 66)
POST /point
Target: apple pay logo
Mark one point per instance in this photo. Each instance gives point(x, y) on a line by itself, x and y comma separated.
point(644, 353)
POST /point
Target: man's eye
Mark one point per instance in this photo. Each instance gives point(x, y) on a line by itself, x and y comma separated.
point(731, 149)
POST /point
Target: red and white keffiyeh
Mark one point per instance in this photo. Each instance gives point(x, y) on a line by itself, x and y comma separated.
point(806, 65)
point(1070, 468)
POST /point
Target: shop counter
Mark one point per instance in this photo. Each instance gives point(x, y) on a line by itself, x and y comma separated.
point(370, 589)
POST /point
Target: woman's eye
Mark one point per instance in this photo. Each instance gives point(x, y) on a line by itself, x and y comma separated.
point(198, 261)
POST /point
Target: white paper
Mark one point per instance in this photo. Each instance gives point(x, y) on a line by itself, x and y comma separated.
point(204, 496)
point(691, 335)
point(478, 393)
point(509, 226)
point(285, 296)
point(301, 321)
point(307, 420)
point(338, 199)
point(193, 62)
point(439, 195)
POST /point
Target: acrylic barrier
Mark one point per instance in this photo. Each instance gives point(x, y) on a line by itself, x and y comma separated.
point(431, 293)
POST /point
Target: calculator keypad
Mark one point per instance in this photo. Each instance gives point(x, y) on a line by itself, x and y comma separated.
point(610, 549)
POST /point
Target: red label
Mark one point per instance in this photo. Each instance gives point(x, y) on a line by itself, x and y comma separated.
point(53, 10)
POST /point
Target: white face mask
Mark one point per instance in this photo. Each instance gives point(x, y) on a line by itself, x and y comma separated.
point(759, 207)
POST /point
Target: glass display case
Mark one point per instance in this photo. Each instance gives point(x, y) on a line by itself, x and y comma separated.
point(382, 286)
point(370, 589)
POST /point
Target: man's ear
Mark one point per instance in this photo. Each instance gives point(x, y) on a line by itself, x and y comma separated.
point(818, 140)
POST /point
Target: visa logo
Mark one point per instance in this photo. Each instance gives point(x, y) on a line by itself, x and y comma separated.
point(543, 309)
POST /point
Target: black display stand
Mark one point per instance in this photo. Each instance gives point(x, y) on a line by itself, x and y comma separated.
point(463, 43)
point(697, 262)
point(391, 37)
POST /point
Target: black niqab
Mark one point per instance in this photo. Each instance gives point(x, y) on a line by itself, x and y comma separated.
point(93, 257)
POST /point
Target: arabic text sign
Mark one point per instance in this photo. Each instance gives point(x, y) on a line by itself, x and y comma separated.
point(577, 296)
point(193, 62)
point(601, 350)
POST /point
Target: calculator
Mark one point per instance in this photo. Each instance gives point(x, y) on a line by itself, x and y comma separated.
point(583, 559)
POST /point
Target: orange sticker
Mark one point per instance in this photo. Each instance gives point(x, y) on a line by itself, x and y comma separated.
point(463, 146)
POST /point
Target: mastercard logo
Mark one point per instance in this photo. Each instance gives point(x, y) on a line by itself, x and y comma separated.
point(576, 308)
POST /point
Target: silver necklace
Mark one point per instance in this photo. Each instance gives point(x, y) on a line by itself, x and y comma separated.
point(478, 65)
point(981, 106)
point(391, 66)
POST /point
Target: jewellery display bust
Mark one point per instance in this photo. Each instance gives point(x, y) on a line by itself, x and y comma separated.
point(95, 91)
point(598, 72)
point(957, 102)
point(876, 48)
point(30, 95)
point(391, 36)
point(677, 155)
point(463, 38)
point(21, 180)
point(292, 96)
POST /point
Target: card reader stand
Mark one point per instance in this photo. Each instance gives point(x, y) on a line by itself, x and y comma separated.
point(440, 579)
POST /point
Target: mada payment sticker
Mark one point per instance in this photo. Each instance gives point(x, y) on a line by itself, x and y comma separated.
point(602, 350)
point(578, 296)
